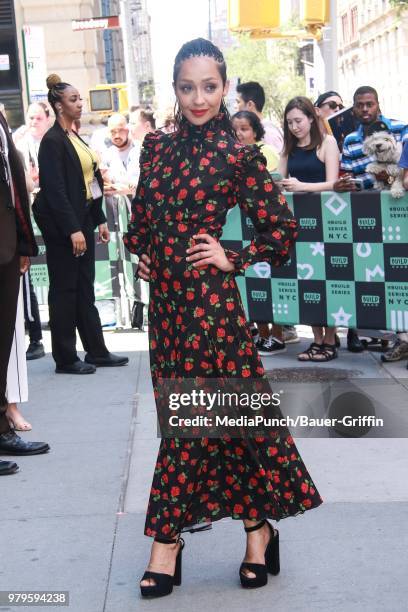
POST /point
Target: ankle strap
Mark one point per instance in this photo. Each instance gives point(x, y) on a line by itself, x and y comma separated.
point(165, 541)
point(255, 527)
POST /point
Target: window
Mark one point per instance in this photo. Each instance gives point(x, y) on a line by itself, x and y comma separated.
point(345, 28)
point(354, 23)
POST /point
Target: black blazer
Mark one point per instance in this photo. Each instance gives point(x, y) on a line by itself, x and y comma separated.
point(60, 206)
point(16, 231)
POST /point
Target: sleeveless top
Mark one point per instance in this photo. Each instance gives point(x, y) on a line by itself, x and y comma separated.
point(306, 166)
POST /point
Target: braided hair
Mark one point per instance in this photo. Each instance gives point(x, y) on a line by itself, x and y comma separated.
point(202, 47)
point(56, 88)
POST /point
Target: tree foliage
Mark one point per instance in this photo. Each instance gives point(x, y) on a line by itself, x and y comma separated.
point(276, 71)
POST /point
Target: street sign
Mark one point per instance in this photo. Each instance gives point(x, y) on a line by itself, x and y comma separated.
point(96, 23)
point(35, 60)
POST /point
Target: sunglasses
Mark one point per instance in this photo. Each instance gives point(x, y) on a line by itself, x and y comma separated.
point(333, 105)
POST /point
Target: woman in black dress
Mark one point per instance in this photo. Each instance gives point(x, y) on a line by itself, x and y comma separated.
point(197, 328)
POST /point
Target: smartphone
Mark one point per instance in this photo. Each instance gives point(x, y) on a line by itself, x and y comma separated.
point(358, 183)
point(276, 176)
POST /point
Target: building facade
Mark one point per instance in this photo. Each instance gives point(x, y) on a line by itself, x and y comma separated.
point(141, 50)
point(110, 43)
point(10, 75)
point(83, 58)
point(373, 50)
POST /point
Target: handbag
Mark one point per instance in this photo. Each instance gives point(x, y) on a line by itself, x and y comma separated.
point(137, 316)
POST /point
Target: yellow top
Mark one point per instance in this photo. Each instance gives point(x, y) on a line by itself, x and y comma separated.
point(88, 158)
point(271, 154)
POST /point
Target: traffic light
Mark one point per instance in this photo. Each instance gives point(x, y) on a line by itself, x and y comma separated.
point(253, 14)
point(315, 12)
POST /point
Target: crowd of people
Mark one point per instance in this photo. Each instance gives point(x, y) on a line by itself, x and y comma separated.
point(301, 157)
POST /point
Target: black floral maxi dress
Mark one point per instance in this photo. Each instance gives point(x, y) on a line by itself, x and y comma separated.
point(197, 327)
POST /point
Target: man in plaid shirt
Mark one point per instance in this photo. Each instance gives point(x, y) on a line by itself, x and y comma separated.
point(366, 109)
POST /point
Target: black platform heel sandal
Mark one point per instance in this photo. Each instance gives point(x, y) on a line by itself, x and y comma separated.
point(164, 582)
point(272, 564)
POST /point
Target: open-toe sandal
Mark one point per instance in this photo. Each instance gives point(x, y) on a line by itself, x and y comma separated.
point(327, 353)
point(313, 349)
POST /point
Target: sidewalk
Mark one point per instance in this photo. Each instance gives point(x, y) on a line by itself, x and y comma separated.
point(73, 519)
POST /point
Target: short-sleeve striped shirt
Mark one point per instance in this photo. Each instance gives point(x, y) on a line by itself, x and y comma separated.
point(355, 161)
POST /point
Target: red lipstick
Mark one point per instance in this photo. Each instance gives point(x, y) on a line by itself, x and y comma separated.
point(199, 113)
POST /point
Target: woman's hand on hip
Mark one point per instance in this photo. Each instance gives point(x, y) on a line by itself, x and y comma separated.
point(209, 251)
point(78, 243)
point(104, 234)
point(143, 269)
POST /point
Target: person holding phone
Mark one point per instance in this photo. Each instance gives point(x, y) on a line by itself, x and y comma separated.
point(309, 162)
point(67, 210)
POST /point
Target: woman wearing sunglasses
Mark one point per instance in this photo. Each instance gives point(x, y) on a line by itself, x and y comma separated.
point(328, 103)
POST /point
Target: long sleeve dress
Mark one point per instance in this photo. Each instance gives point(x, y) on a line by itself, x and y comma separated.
point(197, 328)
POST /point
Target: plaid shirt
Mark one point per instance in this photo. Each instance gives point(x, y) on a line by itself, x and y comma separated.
point(353, 159)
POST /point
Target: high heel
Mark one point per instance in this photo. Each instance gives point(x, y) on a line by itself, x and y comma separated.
point(272, 564)
point(164, 582)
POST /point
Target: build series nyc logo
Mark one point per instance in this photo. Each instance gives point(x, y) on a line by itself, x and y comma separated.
point(308, 223)
point(259, 296)
point(339, 261)
point(399, 263)
point(310, 297)
point(370, 300)
point(366, 223)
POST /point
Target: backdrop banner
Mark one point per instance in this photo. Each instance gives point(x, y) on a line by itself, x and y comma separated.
point(349, 266)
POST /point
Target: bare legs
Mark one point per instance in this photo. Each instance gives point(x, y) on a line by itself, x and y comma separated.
point(162, 560)
point(16, 419)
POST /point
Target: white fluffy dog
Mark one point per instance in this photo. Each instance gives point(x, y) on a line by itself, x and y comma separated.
point(387, 151)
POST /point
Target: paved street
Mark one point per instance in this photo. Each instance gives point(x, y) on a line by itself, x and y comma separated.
point(73, 519)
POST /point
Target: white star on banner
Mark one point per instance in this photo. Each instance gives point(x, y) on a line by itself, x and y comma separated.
point(317, 248)
point(341, 318)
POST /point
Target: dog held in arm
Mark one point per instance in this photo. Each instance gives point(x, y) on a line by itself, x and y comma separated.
point(381, 144)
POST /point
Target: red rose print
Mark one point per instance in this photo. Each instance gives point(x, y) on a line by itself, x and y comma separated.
point(199, 195)
point(182, 194)
point(304, 487)
point(250, 181)
point(238, 509)
point(214, 298)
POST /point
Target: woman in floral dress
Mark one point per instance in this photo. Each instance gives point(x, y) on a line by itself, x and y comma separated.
point(197, 328)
